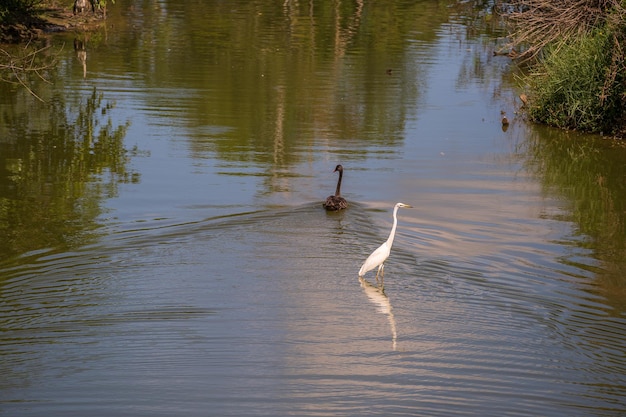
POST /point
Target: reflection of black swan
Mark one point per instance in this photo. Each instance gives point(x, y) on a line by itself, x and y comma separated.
point(336, 202)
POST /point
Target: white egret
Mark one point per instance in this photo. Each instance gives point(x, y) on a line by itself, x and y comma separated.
point(380, 255)
point(336, 202)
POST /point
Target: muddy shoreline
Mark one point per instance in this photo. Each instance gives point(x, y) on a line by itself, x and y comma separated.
point(52, 19)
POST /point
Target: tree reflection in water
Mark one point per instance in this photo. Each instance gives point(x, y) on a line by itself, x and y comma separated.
point(56, 167)
point(588, 171)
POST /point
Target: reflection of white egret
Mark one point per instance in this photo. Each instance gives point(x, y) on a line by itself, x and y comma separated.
point(336, 202)
point(380, 255)
point(378, 297)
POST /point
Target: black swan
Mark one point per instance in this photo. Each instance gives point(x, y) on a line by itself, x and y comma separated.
point(336, 202)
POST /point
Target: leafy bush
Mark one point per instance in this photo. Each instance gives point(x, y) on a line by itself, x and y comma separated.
point(12, 11)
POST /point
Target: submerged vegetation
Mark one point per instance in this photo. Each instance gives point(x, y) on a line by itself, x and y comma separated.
point(576, 52)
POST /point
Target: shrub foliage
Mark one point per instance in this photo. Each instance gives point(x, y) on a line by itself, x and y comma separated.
point(12, 11)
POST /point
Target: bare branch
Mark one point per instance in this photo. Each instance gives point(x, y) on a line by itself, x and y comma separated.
point(16, 69)
point(538, 23)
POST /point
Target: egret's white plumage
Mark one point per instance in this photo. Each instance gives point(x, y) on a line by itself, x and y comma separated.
point(380, 255)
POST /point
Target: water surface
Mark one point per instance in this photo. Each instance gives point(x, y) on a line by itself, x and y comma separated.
point(166, 252)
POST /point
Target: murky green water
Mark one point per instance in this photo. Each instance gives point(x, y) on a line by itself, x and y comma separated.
point(164, 250)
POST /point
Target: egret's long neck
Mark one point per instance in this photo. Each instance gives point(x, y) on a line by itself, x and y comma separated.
point(393, 228)
point(338, 190)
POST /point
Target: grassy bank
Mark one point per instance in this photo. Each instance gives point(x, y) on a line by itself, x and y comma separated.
point(576, 53)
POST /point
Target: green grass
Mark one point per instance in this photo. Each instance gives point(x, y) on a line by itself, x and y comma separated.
point(581, 85)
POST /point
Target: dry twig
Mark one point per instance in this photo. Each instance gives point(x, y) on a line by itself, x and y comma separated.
point(15, 69)
point(538, 23)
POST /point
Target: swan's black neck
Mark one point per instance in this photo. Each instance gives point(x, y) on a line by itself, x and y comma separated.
point(338, 190)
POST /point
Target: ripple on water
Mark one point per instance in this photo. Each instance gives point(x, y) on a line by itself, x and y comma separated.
point(264, 311)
